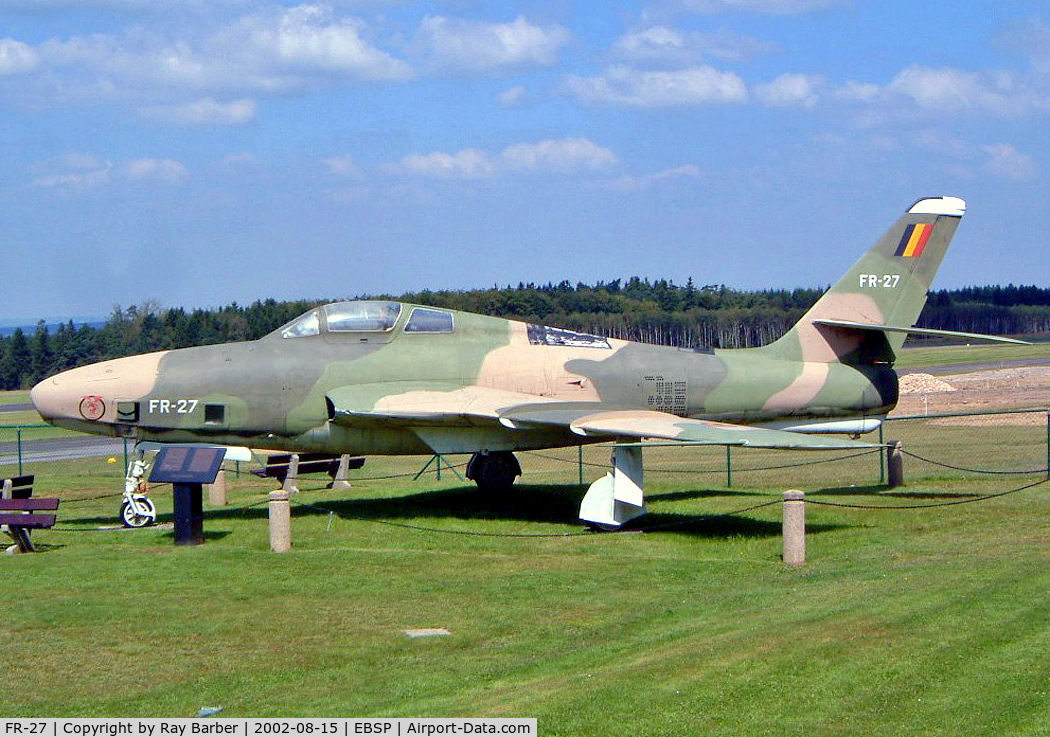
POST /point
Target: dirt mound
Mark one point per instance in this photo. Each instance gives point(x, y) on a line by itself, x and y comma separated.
point(923, 384)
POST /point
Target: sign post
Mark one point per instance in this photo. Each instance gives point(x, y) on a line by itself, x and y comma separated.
point(187, 468)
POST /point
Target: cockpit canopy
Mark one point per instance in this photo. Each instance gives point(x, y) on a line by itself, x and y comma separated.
point(365, 316)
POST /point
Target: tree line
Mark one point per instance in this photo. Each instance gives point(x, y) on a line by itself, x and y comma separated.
point(657, 311)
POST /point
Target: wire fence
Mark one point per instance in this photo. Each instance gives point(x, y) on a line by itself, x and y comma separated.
point(947, 446)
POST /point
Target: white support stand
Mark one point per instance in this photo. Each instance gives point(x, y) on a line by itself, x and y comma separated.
point(617, 497)
point(291, 481)
point(342, 476)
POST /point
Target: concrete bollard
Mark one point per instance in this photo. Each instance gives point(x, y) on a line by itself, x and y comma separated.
point(293, 475)
point(794, 528)
point(280, 522)
point(894, 464)
point(217, 490)
point(342, 475)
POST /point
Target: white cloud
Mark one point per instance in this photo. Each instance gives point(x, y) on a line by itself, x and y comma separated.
point(1007, 162)
point(167, 171)
point(954, 90)
point(17, 57)
point(917, 90)
point(773, 7)
point(859, 91)
point(308, 36)
point(562, 156)
point(789, 90)
point(78, 171)
point(662, 43)
point(630, 182)
point(468, 45)
point(274, 50)
point(621, 85)
point(512, 97)
point(655, 42)
point(467, 164)
point(343, 166)
point(73, 171)
point(206, 111)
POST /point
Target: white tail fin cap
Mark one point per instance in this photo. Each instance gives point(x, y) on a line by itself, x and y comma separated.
point(939, 206)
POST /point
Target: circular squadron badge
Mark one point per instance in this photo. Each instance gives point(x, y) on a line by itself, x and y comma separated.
point(92, 407)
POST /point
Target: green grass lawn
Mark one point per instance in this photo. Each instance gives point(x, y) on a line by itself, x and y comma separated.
point(929, 621)
point(918, 355)
point(932, 621)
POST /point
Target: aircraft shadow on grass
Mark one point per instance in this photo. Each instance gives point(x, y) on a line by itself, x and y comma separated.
point(891, 492)
point(537, 503)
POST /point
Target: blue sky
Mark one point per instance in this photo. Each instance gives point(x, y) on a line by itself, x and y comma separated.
point(196, 153)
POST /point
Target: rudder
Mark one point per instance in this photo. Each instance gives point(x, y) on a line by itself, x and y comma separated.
point(886, 286)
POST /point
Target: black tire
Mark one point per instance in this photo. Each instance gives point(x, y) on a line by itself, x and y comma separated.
point(494, 471)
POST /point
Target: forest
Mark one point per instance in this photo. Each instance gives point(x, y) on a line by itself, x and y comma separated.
point(634, 309)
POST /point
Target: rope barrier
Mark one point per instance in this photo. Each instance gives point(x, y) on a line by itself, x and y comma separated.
point(972, 470)
point(736, 469)
point(474, 533)
point(954, 502)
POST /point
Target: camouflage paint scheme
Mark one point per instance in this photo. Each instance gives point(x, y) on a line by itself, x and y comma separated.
point(491, 384)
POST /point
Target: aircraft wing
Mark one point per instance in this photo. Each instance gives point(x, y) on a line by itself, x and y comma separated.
point(639, 423)
point(406, 404)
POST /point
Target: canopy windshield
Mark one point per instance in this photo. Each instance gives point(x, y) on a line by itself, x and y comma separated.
point(372, 316)
point(360, 316)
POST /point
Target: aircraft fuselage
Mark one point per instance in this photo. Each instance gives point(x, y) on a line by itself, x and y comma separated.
point(277, 392)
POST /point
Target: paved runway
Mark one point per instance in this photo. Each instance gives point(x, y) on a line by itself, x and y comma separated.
point(60, 449)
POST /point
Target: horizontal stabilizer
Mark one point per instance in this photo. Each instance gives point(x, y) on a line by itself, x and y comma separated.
point(916, 331)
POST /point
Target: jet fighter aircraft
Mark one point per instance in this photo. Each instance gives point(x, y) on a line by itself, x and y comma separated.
point(382, 377)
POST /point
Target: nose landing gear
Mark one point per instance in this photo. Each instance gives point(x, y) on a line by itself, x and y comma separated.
point(136, 508)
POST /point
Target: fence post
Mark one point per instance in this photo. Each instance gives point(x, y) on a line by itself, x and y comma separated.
point(882, 456)
point(579, 452)
point(217, 490)
point(895, 464)
point(794, 528)
point(18, 433)
point(1048, 443)
point(729, 467)
point(280, 522)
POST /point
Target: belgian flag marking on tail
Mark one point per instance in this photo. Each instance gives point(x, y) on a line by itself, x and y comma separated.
point(914, 240)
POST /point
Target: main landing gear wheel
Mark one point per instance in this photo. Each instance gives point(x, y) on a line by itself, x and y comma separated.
point(493, 471)
point(131, 517)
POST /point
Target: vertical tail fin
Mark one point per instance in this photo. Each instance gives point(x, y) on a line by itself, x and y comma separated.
point(886, 287)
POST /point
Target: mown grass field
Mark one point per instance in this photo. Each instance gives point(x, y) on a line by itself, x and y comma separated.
point(917, 355)
point(910, 621)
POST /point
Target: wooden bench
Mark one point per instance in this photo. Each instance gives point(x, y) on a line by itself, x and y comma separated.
point(277, 465)
point(19, 512)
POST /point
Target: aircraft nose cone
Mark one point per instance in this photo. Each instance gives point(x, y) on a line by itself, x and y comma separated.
point(86, 398)
point(45, 396)
point(58, 398)
point(78, 394)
